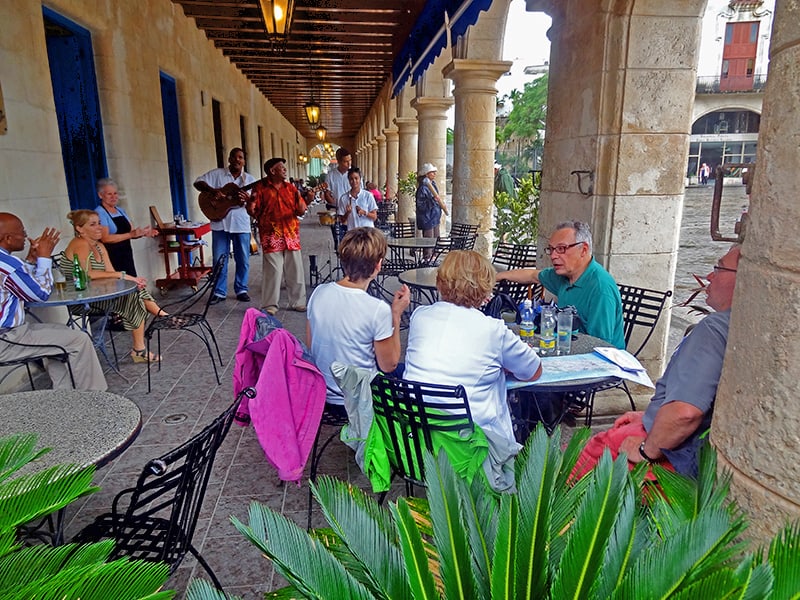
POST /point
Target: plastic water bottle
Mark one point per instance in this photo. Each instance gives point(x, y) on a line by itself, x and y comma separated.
point(547, 331)
point(526, 322)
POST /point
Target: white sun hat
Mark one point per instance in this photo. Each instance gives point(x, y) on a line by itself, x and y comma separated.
point(427, 168)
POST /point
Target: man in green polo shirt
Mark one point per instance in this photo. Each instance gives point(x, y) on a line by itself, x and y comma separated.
point(576, 279)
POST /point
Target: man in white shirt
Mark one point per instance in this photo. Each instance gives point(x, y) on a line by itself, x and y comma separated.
point(357, 207)
point(234, 227)
point(337, 184)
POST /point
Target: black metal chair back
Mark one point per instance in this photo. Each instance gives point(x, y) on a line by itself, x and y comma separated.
point(38, 352)
point(466, 242)
point(401, 230)
point(155, 520)
point(411, 411)
point(641, 307)
point(183, 317)
point(514, 256)
point(463, 230)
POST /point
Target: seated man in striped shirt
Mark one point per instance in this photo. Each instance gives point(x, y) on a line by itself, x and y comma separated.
point(31, 281)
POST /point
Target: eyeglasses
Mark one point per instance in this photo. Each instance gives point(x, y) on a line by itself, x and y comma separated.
point(718, 268)
point(560, 249)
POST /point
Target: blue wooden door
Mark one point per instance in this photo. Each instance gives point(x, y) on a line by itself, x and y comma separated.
point(69, 50)
point(172, 131)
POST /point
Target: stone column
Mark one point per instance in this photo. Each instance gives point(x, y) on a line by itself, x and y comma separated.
point(380, 171)
point(432, 141)
point(756, 427)
point(407, 128)
point(388, 184)
point(373, 160)
point(474, 143)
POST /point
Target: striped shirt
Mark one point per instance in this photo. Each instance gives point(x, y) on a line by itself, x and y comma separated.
point(21, 282)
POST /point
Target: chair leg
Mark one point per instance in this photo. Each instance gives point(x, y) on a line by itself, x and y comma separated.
point(147, 350)
point(630, 396)
point(30, 376)
point(316, 455)
point(69, 370)
point(205, 566)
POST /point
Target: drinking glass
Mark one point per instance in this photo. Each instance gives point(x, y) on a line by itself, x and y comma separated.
point(564, 337)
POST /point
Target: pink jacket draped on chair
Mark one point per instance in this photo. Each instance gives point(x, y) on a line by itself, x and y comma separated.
point(290, 396)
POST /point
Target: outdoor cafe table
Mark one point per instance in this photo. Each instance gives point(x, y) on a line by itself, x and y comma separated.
point(422, 282)
point(581, 374)
point(400, 247)
point(82, 428)
point(96, 291)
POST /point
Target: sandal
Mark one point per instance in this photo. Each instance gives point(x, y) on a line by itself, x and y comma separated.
point(139, 356)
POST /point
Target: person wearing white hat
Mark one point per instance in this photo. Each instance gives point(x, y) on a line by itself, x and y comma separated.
point(429, 204)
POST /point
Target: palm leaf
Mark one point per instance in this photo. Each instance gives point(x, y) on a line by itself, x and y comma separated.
point(476, 501)
point(700, 546)
point(31, 496)
point(504, 567)
point(621, 545)
point(44, 573)
point(368, 533)
point(448, 530)
point(588, 537)
point(537, 487)
point(420, 580)
point(784, 557)
point(16, 451)
point(200, 589)
point(304, 562)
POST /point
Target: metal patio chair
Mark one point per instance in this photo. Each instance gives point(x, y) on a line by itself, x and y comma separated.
point(185, 317)
point(155, 520)
point(40, 352)
point(410, 413)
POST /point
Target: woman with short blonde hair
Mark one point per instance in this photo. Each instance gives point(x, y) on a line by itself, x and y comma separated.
point(465, 278)
point(451, 342)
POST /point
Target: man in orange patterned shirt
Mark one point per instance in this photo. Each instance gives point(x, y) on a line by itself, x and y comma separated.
point(275, 205)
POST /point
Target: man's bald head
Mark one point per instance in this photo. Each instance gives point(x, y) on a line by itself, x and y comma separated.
point(12, 232)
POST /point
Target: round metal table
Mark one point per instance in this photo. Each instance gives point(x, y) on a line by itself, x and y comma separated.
point(422, 282)
point(96, 291)
point(82, 427)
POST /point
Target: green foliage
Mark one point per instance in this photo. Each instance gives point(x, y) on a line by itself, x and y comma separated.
point(527, 117)
point(407, 185)
point(517, 219)
point(607, 535)
point(312, 181)
point(65, 572)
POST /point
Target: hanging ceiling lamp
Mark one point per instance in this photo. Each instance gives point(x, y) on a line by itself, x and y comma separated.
point(277, 16)
point(312, 112)
point(321, 133)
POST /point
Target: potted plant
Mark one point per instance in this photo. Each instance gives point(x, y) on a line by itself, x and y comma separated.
point(66, 572)
point(608, 535)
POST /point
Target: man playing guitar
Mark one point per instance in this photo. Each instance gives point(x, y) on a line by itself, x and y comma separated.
point(234, 227)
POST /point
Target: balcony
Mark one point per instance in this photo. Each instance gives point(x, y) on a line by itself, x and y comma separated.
point(712, 85)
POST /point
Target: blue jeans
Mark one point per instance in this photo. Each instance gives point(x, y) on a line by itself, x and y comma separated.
point(220, 246)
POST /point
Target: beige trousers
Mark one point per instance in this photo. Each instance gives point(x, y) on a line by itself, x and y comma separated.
point(288, 264)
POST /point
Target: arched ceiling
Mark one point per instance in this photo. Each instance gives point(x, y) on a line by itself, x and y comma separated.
point(341, 50)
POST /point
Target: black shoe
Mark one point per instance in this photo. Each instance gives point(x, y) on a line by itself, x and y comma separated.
point(243, 297)
point(217, 299)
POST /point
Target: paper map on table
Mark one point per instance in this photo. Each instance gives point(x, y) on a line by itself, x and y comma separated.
point(580, 366)
point(622, 358)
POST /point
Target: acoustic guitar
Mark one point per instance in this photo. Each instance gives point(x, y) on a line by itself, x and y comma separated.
point(216, 209)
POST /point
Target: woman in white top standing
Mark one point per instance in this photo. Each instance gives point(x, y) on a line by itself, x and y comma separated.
point(451, 342)
point(348, 325)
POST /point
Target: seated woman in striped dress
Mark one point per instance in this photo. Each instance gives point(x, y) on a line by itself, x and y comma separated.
point(132, 308)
